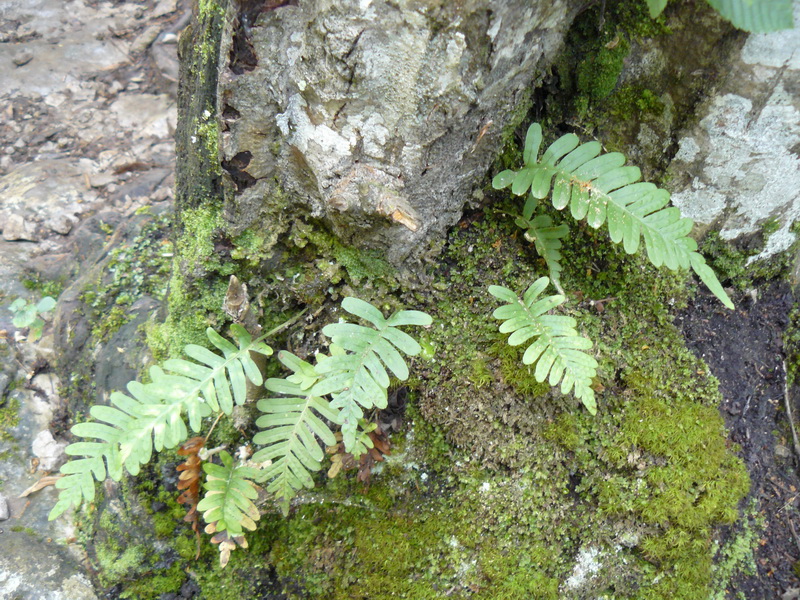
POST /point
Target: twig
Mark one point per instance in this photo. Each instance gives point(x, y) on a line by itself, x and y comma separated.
point(794, 531)
point(789, 411)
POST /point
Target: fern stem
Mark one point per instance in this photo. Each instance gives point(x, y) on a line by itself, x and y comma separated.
point(282, 326)
point(210, 431)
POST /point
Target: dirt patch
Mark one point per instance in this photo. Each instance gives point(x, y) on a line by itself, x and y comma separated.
point(744, 349)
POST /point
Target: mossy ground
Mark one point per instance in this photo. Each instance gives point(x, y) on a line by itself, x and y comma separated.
point(500, 484)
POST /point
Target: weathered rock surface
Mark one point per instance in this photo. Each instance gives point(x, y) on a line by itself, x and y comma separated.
point(739, 167)
point(379, 117)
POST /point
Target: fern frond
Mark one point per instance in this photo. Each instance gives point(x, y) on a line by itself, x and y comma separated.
point(152, 417)
point(291, 426)
point(558, 350)
point(546, 239)
point(227, 505)
point(600, 189)
point(356, 370)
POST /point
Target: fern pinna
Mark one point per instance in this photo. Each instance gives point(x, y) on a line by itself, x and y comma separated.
point(355, 378)
point(152, 417)
point(227, 506)
point(601, 189)
point(558, 350)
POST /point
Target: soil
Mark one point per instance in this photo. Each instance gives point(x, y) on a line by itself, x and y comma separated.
point(744, 349)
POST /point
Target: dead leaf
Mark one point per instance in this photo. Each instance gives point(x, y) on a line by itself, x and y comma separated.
point(41, 484)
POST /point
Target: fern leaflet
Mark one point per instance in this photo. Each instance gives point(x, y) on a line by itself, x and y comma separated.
point(152, 416)
point(546, 238)
point(601, 189)
point(355, 371)
point(227, 505)
point(558, 350)
point(292, 426)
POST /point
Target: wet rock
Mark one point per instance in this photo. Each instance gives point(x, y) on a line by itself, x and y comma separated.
point(17, 228)
point(50, 453)
point(145, 39)
point(4, 514)
point(4, 381)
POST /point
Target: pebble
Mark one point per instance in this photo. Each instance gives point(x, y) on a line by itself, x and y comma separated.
point(22, 58)
point(3, 508)
point(61, 223)
point(782, 451)
point(17, 228)
point(50, 452)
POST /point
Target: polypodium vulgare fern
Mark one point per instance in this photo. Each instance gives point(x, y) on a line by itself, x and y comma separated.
point(291, 427)
point(600, 189)
point(152, 417)
point(228, 506)
point(558, 351)
point(354, 376)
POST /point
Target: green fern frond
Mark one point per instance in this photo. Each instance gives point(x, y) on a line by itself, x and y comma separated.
point(601, 189)
point(558, 350)
point(291, 427)
point(152, 417)
point(356, 369)
point(228, 502)
point(546, 238)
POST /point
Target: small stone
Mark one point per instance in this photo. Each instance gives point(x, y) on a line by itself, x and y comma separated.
point(4, 381)
point(50, 452)
point(17, 228)
point(61, 223)
point(145, 40)
point(101, 180)
point(3, 508)
point(165, 7)
point(22, 58)
point(782, 451)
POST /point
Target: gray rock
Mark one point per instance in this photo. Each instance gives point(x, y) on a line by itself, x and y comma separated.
point(4, 381)
point(61, 222)
point(165, 7)
point(4, 514)
point(17, 228)
point(50, 453)
point(384, 121)
point(738, 167)
point(23, 57)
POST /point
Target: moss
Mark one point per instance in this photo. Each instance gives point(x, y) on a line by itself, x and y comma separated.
point(43, 287)
point(9, 418)
point(197, 285)
point(133, 270)
point(730, 261)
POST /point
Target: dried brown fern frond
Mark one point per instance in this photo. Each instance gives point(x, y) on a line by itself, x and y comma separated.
point(189, 481)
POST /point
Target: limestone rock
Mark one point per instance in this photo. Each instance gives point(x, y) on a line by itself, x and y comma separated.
point(738, 167)
point(372, 114)
point(50, 453)
point(17, 228)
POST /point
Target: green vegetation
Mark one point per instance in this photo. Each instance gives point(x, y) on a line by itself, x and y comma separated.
point(29, 315)
point(598, 188)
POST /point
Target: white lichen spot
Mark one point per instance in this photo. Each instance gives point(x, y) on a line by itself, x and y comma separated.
point(587, 565)
point(486, 486)
point(688, 150)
